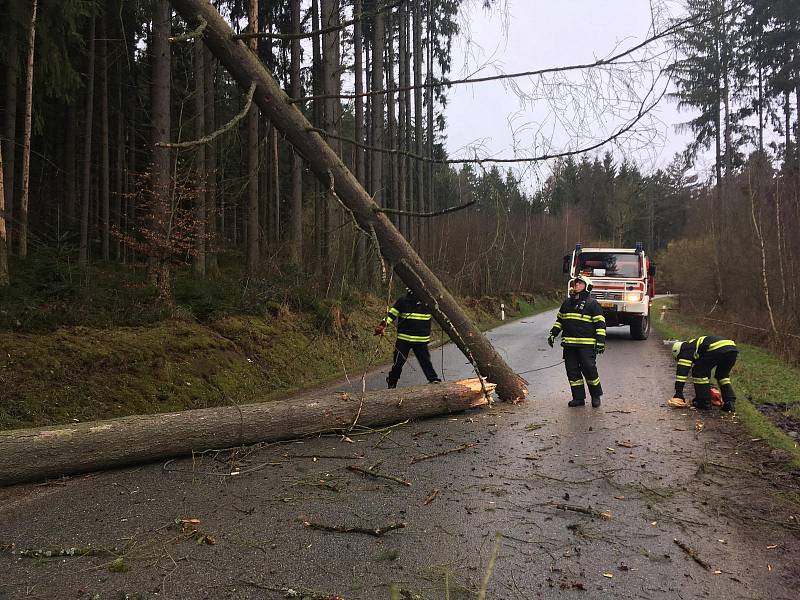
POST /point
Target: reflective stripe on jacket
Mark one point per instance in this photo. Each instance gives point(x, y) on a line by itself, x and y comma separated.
point(700, 348)
point(580, 322)
point(413, 320)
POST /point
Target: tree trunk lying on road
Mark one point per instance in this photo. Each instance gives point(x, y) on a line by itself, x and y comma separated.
point(35, 454)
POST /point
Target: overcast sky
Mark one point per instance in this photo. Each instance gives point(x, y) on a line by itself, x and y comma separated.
point(490, 119)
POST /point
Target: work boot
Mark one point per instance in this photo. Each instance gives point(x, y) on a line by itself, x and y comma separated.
point(727, 407)
point(700, 405)
point(437, 380)
point(391, 384)
point(596, 401)
point(573, 403)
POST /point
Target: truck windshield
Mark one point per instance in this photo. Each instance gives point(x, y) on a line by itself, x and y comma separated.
point(615, 264)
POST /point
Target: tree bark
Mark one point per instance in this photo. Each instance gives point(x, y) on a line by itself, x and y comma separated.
point(419, 192)
point(10, 141)
point(70, 166)
point(376, 159)
point(331, 81)
point(404, 116)
point(252, 159)
point(36, 454)
point(391, 118)
point(320, 236)
point(120, 170)
point(359, 165)
point(161, 119)
point(105, 200)
point(86, 188)
point(26, 140)
point(3, 239)
point(212, 218)
point(199, 262)
point(329, 168)
point(429, 207)
point(296, 244)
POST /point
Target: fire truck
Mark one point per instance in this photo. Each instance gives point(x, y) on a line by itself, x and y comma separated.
point(624, 284)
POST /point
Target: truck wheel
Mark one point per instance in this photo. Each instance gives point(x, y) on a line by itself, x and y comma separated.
point(640, 328)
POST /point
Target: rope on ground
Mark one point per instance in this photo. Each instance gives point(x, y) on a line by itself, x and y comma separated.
point(765, 330)
point(541, 368)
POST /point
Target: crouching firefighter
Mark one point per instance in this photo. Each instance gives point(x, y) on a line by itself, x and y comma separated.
point(582, 327)
point(413, 333)
point(699, 356)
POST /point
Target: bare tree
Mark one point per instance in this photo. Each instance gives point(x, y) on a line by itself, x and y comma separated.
point(377, 109)
point(419, 192)
point(10, 138)
point(252, 159)
point(296, 248)
point(161, 119)
point(331, 81)
point(212, 265)
point(86, 191)
point(3, 239)
point(105, 167)
point(199, 68)
point(26, 139)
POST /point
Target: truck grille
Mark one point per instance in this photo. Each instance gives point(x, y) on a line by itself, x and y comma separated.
point(607, 295)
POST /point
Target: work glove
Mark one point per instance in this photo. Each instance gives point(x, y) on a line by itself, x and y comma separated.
point(379, 329)
point(599, 347)
point(551, 339)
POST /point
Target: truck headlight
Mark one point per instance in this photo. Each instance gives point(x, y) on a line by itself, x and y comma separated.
point(633, 297)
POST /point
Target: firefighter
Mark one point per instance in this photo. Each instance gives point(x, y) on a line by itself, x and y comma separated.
point(701, 355)
point(582, 327)
point(413, 333)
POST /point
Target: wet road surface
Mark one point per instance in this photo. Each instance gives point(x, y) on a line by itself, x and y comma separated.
point(575, 502)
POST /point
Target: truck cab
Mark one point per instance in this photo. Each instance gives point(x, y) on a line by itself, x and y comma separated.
point(624, 284)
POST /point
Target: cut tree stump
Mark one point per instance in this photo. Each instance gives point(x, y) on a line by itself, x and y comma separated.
point(46, 452)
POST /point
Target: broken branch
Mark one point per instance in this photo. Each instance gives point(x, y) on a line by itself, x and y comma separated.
point(586, 511)
point(437, 213)
point(215, 134)
point(692, 554)
point(417, 459)
point(377, 474)
point(376, 532)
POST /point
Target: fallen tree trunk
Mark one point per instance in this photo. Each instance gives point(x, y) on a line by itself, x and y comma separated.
point(35, 454)
point(247, 69)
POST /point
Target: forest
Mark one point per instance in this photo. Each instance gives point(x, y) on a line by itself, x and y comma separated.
point(104, 104)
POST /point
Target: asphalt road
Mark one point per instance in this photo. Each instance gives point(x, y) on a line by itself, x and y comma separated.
point(630, 478)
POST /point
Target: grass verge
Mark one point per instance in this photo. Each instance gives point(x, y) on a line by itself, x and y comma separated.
point(210, 351)
point(758, 377)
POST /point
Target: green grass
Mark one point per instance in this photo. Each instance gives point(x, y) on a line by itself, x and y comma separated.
point(81, 347)
point(758, 377)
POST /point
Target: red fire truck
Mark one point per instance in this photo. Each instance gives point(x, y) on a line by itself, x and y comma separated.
point(624, 284)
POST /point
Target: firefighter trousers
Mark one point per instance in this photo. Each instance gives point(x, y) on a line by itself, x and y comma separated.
point(701, 377)
point(581, 364)
point(402, 349)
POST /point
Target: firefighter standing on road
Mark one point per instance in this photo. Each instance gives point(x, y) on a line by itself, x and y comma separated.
point(413, 333)
point(582, 327)
point(701, 355)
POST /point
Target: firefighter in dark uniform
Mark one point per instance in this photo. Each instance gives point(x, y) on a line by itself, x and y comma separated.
point(413, 333)
point(699, 356)
point(582, 327)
